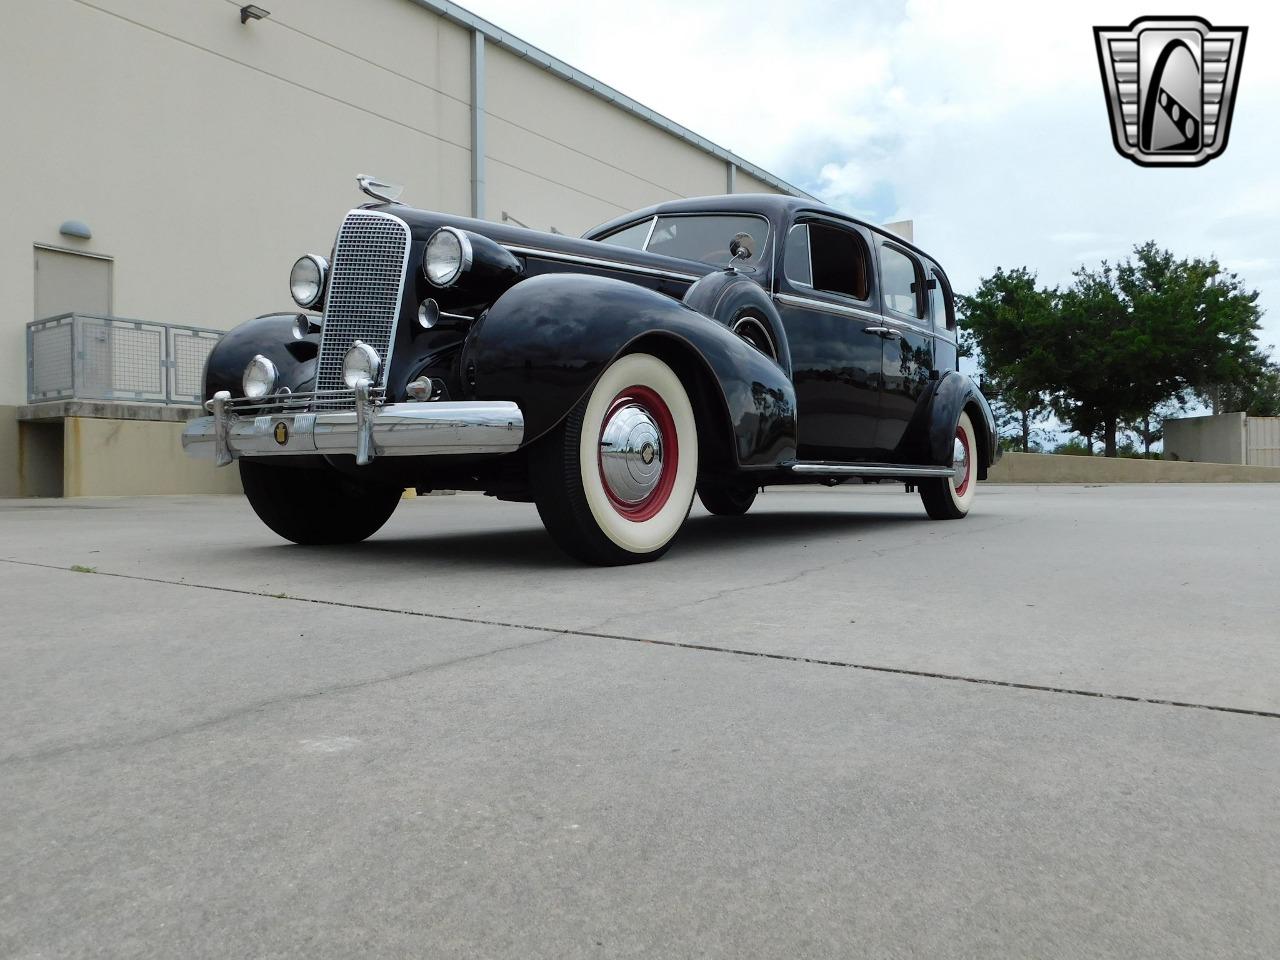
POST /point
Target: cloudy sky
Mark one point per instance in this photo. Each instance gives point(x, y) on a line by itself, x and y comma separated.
point(983, 123)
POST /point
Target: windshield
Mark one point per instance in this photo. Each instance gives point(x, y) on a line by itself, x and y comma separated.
point(699, 237)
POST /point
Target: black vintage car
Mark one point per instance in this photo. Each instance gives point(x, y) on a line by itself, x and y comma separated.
point(714, 345)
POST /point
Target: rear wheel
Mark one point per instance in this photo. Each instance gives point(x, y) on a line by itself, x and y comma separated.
point(614, 482)
point(316, 506)
point(949, 498)
point(731, 499)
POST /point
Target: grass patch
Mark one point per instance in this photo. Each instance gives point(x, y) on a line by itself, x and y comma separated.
point(78, 568)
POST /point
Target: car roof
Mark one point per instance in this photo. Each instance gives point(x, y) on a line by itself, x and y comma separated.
point(777, 207)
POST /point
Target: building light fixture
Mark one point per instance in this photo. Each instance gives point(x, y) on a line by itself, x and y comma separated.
point(251, 11)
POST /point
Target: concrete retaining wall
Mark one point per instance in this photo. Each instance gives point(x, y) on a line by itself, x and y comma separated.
point(10, 471)
point(1219, 439)
point(110, 458)
point(1048, 468)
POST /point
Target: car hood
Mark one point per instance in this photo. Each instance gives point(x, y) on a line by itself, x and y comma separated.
point(422, 223)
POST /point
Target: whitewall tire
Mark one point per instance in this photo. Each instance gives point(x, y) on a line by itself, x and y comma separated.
point(614, 482)
point(950, 498)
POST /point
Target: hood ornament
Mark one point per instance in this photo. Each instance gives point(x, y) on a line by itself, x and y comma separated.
point(379, 189)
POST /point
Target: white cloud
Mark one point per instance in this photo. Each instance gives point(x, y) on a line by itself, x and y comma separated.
point(985, 123)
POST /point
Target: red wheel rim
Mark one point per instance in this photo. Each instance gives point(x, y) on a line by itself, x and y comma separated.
point(963, 485)
point(655, 408)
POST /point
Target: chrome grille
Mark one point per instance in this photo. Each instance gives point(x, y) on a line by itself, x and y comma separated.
point(363, 302)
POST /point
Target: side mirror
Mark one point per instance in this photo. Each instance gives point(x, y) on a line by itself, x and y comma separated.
point(741, 247)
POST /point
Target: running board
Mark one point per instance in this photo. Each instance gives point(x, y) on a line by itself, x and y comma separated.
point(897, 471)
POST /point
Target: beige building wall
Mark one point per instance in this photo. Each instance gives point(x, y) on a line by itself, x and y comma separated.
point(206, 155)
point(560, 156)
point(744, 182)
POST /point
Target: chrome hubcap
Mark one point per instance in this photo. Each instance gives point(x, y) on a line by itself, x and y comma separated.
point(959, 461)
point(631, 453)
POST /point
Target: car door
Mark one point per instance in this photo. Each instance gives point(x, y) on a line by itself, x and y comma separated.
point(908, 343)
point(826, 295)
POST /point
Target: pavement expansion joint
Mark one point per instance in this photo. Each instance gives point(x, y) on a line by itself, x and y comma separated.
point(678, 644)
point(255, 707)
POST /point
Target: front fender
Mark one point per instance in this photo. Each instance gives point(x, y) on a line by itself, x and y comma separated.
point(273, 337)
point(956, 392)
point(545, 341)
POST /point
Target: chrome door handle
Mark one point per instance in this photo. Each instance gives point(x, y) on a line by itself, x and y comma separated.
point(887, 332)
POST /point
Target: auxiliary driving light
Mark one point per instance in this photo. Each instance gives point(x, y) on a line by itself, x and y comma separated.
point(360, 363)
point(260, 376)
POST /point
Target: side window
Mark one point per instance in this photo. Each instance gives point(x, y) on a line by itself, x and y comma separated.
point(832, 259)
point(796, 265)
point(899, 277)
point(941, 306)
point(633, 236)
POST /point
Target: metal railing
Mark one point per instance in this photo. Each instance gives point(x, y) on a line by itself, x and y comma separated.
point(80, 356)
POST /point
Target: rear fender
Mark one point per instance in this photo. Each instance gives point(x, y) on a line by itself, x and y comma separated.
point(545, 341)
point(955, 394)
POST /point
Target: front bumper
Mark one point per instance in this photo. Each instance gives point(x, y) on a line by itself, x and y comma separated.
point(370, 430)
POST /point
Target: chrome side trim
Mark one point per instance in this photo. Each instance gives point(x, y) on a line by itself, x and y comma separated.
point(653, 224)
point(905, 471)
point(396, 430)
point(918, 327)
point(808, 303)
point(601, 262)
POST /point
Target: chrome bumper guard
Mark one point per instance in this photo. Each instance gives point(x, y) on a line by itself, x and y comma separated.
point(280, 426)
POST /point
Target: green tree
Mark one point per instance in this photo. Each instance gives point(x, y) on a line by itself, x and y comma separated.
point(1256, 392)
point(1004, 322)
point(1146, 331)
point(1149, 428)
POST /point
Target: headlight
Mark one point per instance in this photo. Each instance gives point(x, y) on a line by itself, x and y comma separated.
point(360, 363)
point(306, 280)
point(259, 378)
point(447, 257)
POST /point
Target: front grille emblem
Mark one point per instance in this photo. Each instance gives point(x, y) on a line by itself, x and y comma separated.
point(1170, 84)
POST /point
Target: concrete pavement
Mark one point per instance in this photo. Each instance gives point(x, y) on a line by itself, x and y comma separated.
point(450, 741)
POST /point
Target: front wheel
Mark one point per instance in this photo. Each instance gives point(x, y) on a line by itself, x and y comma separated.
point(316, 506)
point(727, 499)
point(614, 482)
point(949, 498)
